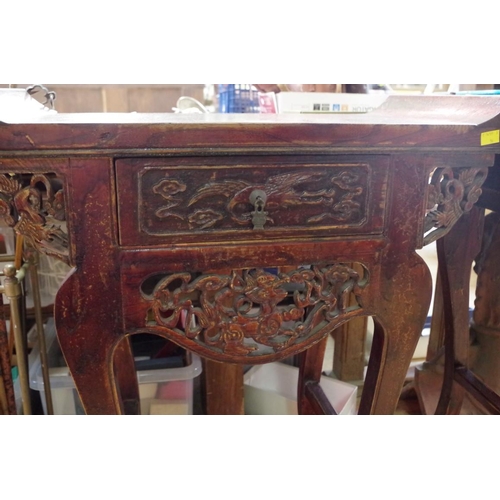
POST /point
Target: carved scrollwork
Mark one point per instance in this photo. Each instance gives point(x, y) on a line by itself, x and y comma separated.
point(255, 312)
point(34, 208)
point(452, 192)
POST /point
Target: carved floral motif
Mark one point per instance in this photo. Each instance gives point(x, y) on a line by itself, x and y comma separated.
point(254, 312)
point(452, 192)
point(33, 207)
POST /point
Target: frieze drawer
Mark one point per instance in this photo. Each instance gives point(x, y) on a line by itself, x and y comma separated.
point(213, 199)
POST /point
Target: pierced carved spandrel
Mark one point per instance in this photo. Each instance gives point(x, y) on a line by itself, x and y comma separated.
point(253, 312)
point(201, 200)
point(451, 193)
point(33, 205)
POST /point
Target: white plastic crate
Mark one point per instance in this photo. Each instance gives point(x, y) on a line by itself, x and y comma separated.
point(163, 392)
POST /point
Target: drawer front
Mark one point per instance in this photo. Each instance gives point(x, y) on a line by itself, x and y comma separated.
point(210, 200)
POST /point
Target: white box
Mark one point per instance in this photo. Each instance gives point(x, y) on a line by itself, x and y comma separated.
point(271, 389)
point(167, 391)
point(327, 102)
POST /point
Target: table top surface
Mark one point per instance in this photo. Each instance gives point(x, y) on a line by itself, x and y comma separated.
point(396, 110)
point(401, 121)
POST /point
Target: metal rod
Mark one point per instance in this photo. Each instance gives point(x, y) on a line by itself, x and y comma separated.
point(37, 301)
point(13, 292)
point(18, 260)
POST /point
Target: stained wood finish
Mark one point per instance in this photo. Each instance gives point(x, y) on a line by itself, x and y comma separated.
point(484, 382)
point(349, 352)
point(223, 388)
point(310, 399)
point(166, 217)
point(209, 199)
point(126, 378)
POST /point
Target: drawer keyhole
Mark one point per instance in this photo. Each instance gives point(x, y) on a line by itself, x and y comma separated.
point(258, 199)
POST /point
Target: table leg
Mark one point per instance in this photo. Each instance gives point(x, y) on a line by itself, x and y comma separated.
point(486, 319)
point(349, 351)
point(126, 377)
point(223, 383)
point(311, 364)
point(400, 311)
point(88, 330)
point(456, 254)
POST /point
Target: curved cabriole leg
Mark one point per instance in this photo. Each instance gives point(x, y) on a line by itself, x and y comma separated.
point(400, 311)
point(126, 377)
point(88, 332)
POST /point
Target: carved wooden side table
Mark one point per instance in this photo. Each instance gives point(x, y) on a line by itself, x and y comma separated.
point(168, 219)
point(448, 375)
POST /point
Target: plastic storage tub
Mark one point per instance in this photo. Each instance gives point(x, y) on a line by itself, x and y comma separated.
point(238, 98)
point(162, 392)
point(271, 389)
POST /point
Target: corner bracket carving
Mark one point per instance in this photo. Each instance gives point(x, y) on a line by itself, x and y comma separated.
point(33, 206)
point(452, 192)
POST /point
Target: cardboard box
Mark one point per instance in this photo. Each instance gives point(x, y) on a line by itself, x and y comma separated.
point(271, 389)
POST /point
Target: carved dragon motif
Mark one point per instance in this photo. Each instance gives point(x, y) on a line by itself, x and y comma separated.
point(254, 312)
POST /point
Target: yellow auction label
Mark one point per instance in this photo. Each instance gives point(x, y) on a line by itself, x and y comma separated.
point(491, 137)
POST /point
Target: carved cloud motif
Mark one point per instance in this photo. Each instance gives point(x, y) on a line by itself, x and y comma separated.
point(337, 198)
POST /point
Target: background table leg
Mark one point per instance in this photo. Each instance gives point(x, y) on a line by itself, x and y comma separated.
point(223, 388)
